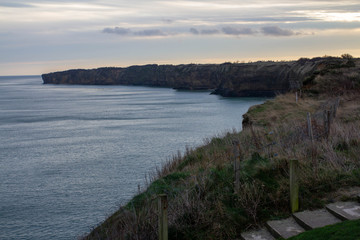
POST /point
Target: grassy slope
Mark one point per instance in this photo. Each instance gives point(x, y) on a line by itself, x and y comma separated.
point(349, 230)
point(202, 202)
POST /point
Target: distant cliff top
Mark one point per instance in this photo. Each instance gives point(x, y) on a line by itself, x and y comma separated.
point(259, 79)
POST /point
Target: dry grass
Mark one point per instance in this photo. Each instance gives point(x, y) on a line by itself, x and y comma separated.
point(200, 188)
point(281, 109)
point(205, 206)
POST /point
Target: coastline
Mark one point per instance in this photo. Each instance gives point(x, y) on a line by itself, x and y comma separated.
point(200, 183)
point(259, 79)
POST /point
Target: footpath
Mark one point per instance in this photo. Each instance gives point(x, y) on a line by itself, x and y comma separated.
point(302, 221)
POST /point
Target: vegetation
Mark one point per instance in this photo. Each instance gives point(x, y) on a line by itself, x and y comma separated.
point(200, 184)
point(349, 230)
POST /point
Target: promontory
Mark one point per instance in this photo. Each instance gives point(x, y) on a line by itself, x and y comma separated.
point(262, 78)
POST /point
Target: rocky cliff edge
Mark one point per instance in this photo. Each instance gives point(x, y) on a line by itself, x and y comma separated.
point(258, 79)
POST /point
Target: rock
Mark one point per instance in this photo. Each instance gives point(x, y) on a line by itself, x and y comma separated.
point(261, 234)
point(345, 210)
point(315, 219)
point(284, 228)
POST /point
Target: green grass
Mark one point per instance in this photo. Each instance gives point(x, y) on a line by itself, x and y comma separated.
point(200, 184)
point(348, 230)
point(258, 109)
point(168, 184)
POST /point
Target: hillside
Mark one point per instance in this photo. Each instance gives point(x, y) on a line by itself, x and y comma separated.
point(203, 201)
point(228, 79)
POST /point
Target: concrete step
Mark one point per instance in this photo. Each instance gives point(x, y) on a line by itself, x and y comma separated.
point(261, 234)
point(315, 219)
point(284, 228)
point(345, 210)
point(306, 220)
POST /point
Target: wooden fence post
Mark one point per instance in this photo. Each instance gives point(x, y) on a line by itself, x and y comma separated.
point(294, 186)
point(325, 123)
point(310, 133)
point(236, 145)
point(255, 138)
point(163, 220)
point(296, 96)
point(328, 124)
point(336, 105)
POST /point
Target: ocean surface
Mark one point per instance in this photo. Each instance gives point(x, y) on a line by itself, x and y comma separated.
point(70, 155)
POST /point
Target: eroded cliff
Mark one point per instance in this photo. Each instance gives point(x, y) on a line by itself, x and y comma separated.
point(227, 79)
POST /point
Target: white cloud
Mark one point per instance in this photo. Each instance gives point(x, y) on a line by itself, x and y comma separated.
point(155, 14)
point(332, 16)
point(43, 29)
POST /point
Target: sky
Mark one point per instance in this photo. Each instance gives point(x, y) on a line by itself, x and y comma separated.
point(41, 36)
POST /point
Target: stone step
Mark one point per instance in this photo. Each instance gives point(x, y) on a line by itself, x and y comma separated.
point(306, 220)
point(315, 219)
point(261, 234)
point(345, 210)
point(284, 228)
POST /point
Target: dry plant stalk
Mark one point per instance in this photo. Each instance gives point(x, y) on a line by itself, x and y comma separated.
point(250, 198)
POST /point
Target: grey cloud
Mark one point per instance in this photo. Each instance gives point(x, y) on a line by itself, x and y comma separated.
point(209, 31)
point(168, 21)
point(117, 30)
point(204, 31)
point(238, 31)
point(128, 32)
point(231, 31)
point(276, 31)
point(150, 33)
point(194, 31)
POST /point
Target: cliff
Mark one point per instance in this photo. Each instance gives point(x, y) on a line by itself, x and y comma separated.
point(203, 200)
point(227, 79)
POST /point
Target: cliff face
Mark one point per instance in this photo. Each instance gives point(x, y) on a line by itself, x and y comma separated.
point(230, 80)
point(192, 77)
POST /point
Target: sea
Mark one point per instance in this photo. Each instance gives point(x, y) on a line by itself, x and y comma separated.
point(70, 155)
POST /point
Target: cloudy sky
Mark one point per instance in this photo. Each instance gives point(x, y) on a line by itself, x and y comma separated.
point(40, 36)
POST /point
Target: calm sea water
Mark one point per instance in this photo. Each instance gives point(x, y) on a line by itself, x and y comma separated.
point(70, 155)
